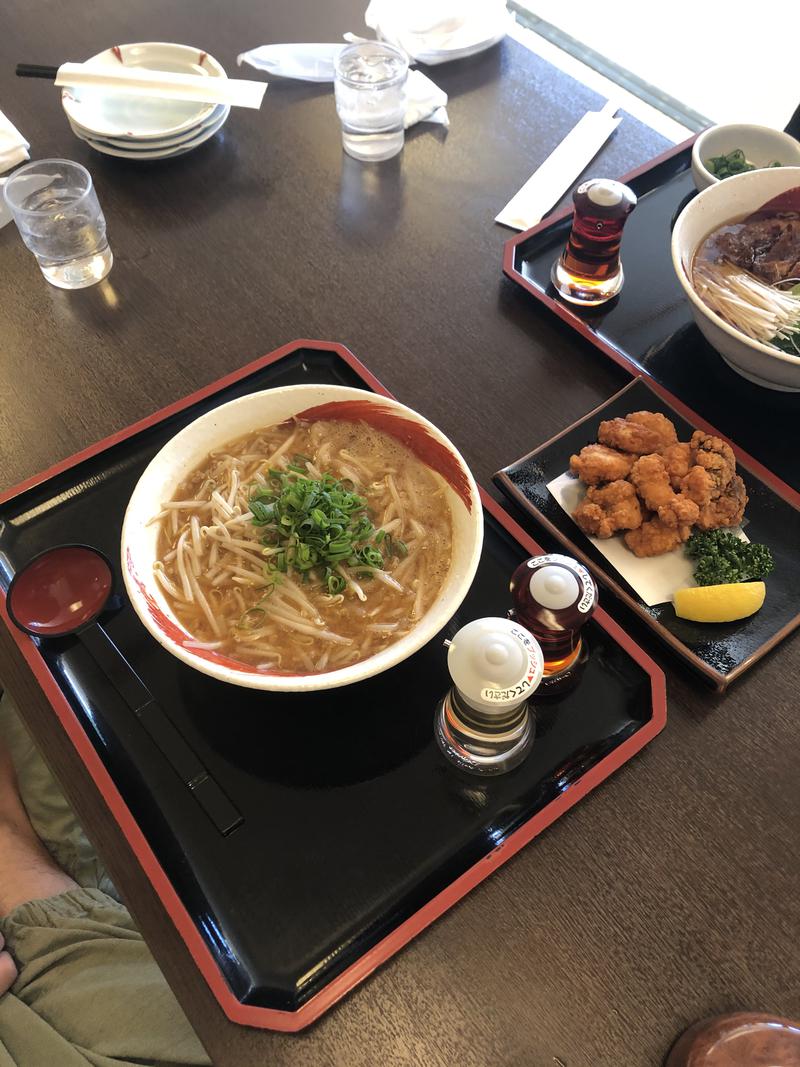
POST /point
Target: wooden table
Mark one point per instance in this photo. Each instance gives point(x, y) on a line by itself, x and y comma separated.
point(268, 233)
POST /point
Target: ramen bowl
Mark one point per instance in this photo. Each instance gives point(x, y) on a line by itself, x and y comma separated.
point(729, 201)
point(218, 428)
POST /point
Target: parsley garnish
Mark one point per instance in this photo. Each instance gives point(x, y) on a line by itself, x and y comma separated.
point(720, 558)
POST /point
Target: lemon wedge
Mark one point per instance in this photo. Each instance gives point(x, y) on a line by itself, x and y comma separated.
point(719, 603)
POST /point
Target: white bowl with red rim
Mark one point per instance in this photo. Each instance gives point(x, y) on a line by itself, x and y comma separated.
point(732, 200)
point(192, 445)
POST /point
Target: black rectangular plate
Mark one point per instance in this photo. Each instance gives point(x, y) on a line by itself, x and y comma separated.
point(353, 823)
point(720, 652)
point(650, 329)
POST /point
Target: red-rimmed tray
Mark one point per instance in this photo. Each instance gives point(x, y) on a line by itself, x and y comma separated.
point(355, 834)
point(649, 329)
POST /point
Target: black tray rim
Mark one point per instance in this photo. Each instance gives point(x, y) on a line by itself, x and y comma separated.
point(307, 1013)
point(511, 257)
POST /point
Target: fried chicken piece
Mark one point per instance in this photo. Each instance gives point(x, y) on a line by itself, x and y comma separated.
point(727, 509)
point(677, 459)
point(597, 463)
point(716, 456)
point(653, 538)
point(649, 475)
point(656, 422)
point(627, 436)
point(698, 485)
point(608, 508)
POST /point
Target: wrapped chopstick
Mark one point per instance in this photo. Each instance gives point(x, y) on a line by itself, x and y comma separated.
point(138, 81)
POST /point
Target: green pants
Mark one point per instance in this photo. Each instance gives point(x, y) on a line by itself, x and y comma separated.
point(88, 990)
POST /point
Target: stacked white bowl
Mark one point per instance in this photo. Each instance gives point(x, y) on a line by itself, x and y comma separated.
point(145, 128)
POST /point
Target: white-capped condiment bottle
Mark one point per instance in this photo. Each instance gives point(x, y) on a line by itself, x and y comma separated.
point(483, 724)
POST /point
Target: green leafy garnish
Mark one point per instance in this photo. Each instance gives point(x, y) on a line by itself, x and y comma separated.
point(721, 558)
point(734, 163)
point(788, 340)
point(725, 166)
point(318, 524)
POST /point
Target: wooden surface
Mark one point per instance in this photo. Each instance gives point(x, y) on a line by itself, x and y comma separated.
point(672, 892)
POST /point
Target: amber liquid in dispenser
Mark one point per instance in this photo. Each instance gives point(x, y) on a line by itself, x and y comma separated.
point(589, 270)
point(554, 596)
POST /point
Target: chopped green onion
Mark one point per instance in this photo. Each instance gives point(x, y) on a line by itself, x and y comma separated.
point(251, 619)
point(336, 583)
point(317, 524)
point(371, 557)
point(262, 513)
point(735, 162)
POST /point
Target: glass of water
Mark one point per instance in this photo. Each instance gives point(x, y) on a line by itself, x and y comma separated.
point(370, 87)
point(57, 214)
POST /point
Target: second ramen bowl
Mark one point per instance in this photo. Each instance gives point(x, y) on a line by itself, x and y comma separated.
point(189, 448)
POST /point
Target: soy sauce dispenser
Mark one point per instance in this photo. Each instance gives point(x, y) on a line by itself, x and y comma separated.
point(483, 724)
point(554, 597)
point(589, 270)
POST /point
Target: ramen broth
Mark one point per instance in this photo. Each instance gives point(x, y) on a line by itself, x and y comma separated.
point(219, 570)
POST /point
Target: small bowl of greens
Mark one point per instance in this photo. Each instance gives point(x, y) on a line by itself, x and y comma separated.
point(722, 151)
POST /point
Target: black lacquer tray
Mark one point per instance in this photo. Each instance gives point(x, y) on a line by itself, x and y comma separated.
point(649, 328)
point(355, 833)
point(720, 652)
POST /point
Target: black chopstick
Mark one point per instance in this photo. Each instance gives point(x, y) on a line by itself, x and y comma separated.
point(36, 70)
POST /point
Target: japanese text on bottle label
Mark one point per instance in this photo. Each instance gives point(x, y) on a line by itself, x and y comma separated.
point(528, 681)
point(586, 602)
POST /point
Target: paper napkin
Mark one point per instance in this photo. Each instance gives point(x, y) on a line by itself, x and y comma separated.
point(305, 62)
point(13, 146)
point(550, 181)
point(426, 102)
point(13, 150)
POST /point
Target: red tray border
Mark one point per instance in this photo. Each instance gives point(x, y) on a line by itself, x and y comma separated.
point(573, 320)
point(270, 1018)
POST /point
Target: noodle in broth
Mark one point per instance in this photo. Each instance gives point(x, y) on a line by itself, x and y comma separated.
point(220, 571)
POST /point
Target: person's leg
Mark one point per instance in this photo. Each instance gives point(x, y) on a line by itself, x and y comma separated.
point(51, 816)
point(27, 870)
point(8, 969)
point(88, 991)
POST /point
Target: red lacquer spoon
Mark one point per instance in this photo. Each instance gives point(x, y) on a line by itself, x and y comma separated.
point(60, 591)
